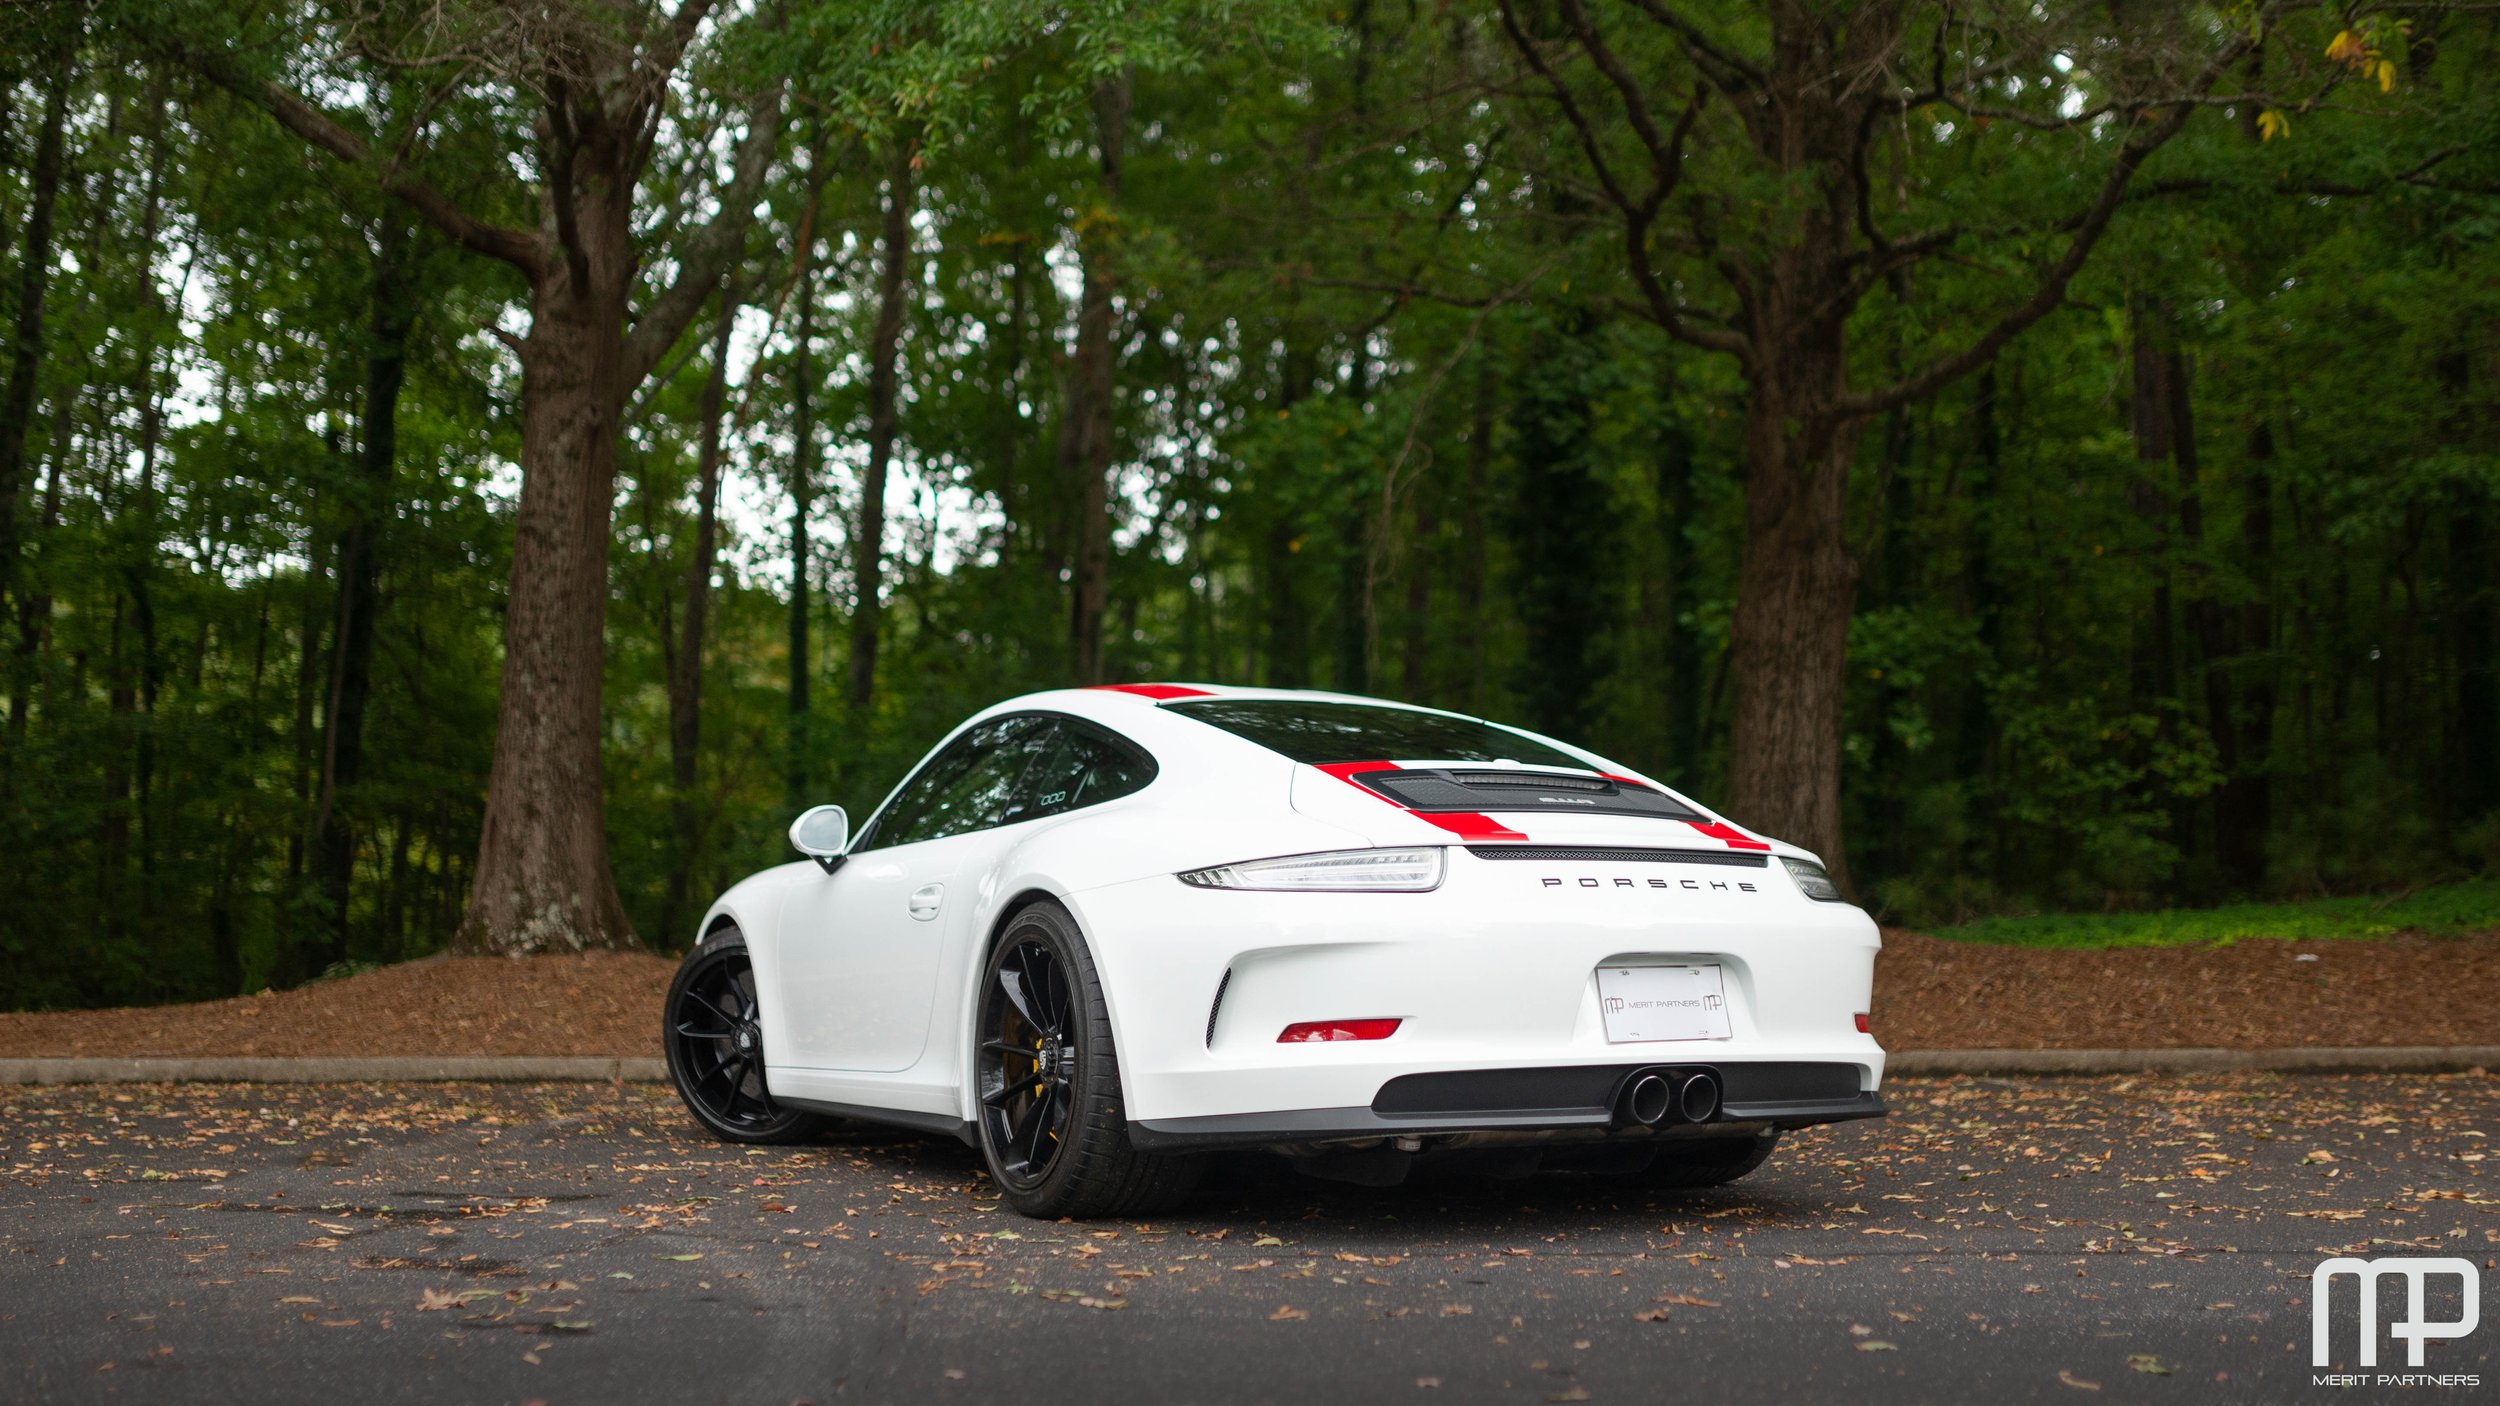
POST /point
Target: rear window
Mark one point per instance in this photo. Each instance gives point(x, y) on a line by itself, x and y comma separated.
point(1321, 733)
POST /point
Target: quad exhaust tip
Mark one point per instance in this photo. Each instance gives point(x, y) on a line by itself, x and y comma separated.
point(1655, 1096)
point(1647, 1100)
point(1698, 1100)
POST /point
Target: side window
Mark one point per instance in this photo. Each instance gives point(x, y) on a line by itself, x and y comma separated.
point(968, 786)
point(1082, 766)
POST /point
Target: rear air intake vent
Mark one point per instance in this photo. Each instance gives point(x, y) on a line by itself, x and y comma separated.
point(1587, 855)
point(1532, 781)
point(1216, 1005)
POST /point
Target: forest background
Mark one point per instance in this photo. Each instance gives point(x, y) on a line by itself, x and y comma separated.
point(2039, 455)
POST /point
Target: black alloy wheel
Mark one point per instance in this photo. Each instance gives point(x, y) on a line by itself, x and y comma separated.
point(715, 1044)
point(1053, 1124)
point(1028, 1059)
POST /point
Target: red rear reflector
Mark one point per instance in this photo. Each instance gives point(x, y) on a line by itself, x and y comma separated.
point(1866, 1024)
point(1315, 1031)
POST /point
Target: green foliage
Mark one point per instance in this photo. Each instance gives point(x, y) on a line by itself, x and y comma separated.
point(1385, 417)
point(2439, 911)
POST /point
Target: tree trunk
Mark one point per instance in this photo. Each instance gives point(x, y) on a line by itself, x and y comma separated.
point(34, 611)
point(1473, 549)
point(2244, 812)
point(394, 315)
point(1417, 667)
point(685, 684)
point(884, 352)
point(1085, 430)
point(1683, 651)
point(17, 397)
point(542, 881)
point(1796, 587)
point(308, 655)
point(1561, 525)
point(1353, 612)
point(2206, 621)
point(1011, 427)
point(800, 735)
point(1974, 721)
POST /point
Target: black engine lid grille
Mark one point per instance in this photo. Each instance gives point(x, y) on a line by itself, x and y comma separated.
point(1432, 789)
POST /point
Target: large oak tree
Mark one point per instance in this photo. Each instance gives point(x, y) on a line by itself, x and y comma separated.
point(1777, 174)
point(586, 92)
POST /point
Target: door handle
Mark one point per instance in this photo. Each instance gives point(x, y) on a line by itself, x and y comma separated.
point(924, 901)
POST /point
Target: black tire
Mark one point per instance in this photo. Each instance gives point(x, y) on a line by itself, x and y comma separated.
point(716, 1049)
point(1690, 1164)
point(1051, 1119)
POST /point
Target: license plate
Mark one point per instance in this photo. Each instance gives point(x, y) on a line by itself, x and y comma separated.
point(1662, 1003)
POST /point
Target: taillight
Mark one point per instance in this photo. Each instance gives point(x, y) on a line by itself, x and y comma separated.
point(1316, 1031)
point(1338, 871)
point(1866, 1023)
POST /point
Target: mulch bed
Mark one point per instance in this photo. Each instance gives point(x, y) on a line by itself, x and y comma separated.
point(2403, 990)
point(594, 1004)
point(1929, 994)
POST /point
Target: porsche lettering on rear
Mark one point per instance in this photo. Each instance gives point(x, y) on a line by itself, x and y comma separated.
point(1619, 882)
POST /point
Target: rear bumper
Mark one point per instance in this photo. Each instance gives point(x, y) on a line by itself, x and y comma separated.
point(1494, 972)
point(1563, 1100)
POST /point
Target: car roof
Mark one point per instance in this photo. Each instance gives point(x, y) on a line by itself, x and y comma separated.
point(1111, 702)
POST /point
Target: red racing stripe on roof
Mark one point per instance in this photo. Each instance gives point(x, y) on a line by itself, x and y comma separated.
point(1721, 830)
point(1466, 824)
point(1157, 691)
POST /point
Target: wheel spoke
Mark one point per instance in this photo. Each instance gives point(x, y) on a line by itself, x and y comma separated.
point(1005, 1047)
point(1011, 981)
point(737, 1085)
point(693, 1033)
point(1017, 1120)
point(1039, 1125)
point(717, 1013)
point(1049, 993)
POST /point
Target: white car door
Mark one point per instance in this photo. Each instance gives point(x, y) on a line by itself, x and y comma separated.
point(859, 955)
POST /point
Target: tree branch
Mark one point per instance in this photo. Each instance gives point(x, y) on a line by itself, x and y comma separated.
point(2051, 292)
point(1581, 127)
point(2046, 297)
point(1638, 215)
point(519, 248)
point(711, 251)
point(1724, 68)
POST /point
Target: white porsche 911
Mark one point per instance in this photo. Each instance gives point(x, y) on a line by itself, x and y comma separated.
point(1098, 932)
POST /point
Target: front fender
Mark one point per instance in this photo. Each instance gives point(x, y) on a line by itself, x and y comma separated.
point(756, 905)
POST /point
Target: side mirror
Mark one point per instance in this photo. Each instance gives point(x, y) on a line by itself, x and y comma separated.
point(822, 833)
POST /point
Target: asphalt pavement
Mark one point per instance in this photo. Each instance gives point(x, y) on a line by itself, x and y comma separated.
point(2104, 1239)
